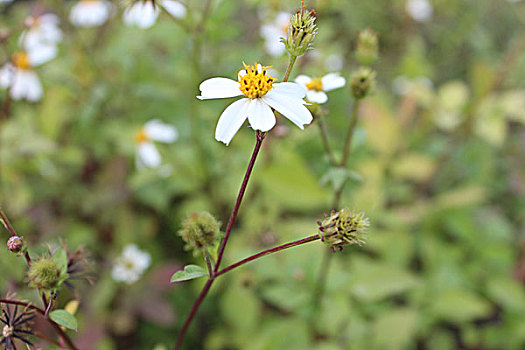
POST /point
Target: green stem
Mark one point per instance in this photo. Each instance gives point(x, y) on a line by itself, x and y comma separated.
point(324, 139)
point(289, 68)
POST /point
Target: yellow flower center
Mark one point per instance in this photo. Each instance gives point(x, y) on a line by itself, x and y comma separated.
point(254, 80)
point(21, 61)
point(141, 136)
point(316, 84)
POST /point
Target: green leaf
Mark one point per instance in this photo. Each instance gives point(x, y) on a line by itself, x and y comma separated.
point(64, 318)
point(337, 177)
point(60, 257)
point(190, 272)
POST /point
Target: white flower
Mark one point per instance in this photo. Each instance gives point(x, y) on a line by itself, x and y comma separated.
point(273, 32)
point(22, 81)
point(154, 130)
point(42, 31)
point(255, 83)
point(316, 87)
point(90, 13)
point(419, 10)
point(130, 265)
point(143, 14)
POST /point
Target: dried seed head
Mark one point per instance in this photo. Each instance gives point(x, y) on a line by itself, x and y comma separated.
point(344, 227)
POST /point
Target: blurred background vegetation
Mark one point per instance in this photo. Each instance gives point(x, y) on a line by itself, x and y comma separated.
point(438, 162)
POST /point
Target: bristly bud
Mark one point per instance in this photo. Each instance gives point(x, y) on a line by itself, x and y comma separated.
point(367, 47)
point(16, 244)
point(344, 227)
point(301, 32)
point(362, 82)
point(44, 274)
point(200, 231)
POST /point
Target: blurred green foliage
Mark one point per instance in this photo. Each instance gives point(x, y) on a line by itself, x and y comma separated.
point(438, 167)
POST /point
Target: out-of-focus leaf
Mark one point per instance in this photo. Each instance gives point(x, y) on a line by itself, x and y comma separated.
point(395, 329)
point(507, 292)
point(459, 305)
point(336, 177)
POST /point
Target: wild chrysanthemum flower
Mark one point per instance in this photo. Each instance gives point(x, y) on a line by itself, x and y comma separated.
point(262, 94)
point(419, 10)
point(130, 266)
point(22, 81)
point(90, 13)
point(144, 13)
point(154, 130)
point(273, 32)
point(316, 87)
point(17, 326)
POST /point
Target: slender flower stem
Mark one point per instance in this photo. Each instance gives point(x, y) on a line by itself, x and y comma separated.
point(61, 333)
point(233, 216)
point(324, 139)
point(12, 231)
point(346, 152)
point(308, 239)
point(289, 68)
point(260, 137)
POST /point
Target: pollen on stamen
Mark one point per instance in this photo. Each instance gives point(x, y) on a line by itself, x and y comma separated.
point(254, 81)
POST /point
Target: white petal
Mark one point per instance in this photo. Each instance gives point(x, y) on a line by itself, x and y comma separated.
point(142, 15)
point(231, 120)
point(148, 155)
point(316, 96)
point(7, 74)
point(174, 8)
point(420, 10)
point(292, 90)
point(26, 85)
point(40, 54)
point(260, 116)
point(332, 81)
point(158, 131)
point(303, 79)
point(292, 109)
point(90, 13)
point(219, 88)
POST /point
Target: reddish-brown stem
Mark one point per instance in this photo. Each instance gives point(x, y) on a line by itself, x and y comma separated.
point(268, 251)
point(7, 224)
point(258, 144)
point(260, 137)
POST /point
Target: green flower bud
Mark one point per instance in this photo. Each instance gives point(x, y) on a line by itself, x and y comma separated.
point(301, 33)
point(362, 82)
point(200, 231)
point(343, 227)
point(367, 47)
point(44, 274)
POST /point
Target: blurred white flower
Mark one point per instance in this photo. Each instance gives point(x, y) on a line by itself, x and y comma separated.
point(262, 95)
point(22, 81)
point(273, 32)
point(147, 154)
point(419, 10)
point(143, 14)
point(316, 87)
point(90, 13)
point(130, 266)
point(43, 34)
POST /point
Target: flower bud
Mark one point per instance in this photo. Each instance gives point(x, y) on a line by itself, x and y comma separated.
point(200, 231)
point(343, 227)
point(362, 82)
point(367, 47)
point(301, 33)
point(15, 244)
point(44, 274)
